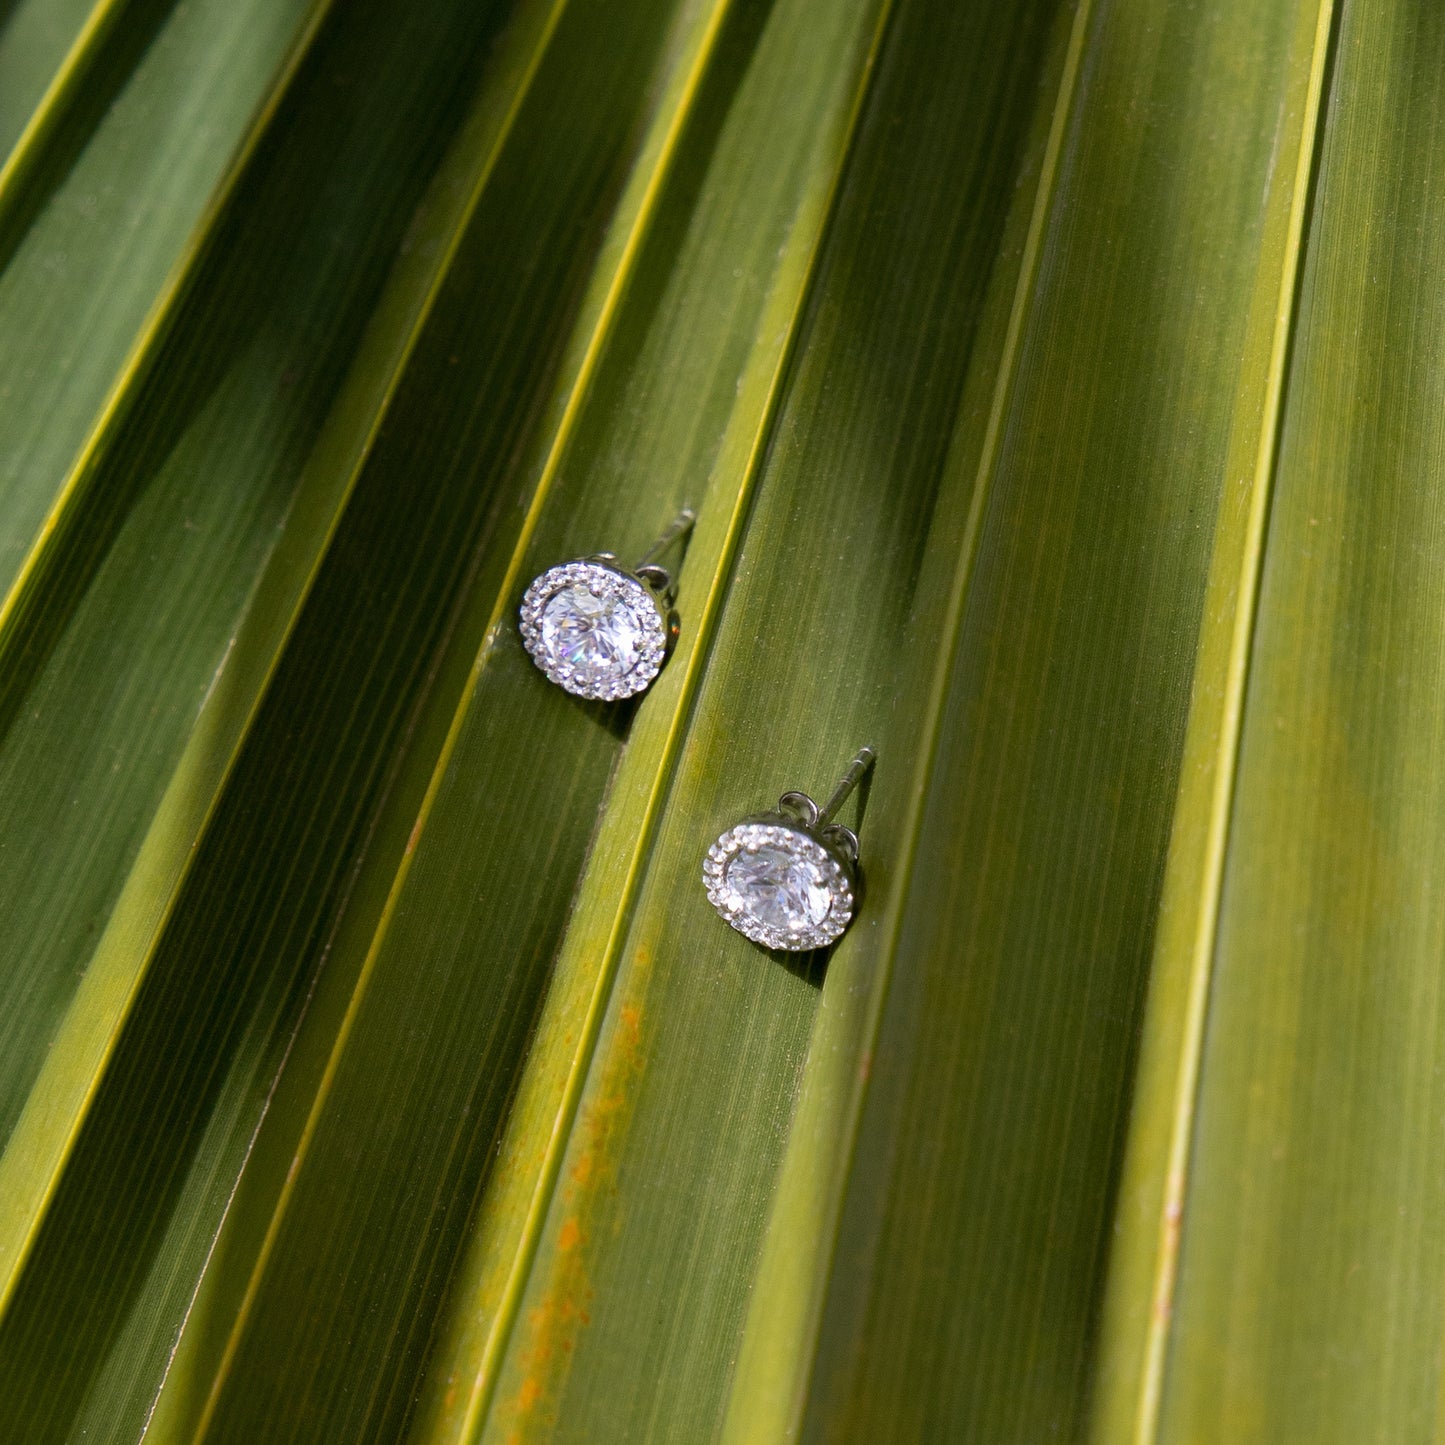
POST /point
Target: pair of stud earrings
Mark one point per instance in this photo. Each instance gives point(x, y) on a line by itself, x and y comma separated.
point(788, 878)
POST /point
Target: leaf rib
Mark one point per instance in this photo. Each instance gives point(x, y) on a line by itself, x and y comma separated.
point(396, 372)
point(35, 1155)
point(790, 1412)
point(59, 94)
point(1218, 707)
point(499, 1336)
point(29, 581)
point(596, 343)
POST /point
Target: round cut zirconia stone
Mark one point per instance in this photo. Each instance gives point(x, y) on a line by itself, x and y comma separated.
point(778, 886)
point(597, 637)
point(593, 630)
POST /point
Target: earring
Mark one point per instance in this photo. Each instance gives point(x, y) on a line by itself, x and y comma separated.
point(789, 879)
point(600, 631)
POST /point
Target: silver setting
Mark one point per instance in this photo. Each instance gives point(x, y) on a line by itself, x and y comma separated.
point(751, 838)
point(824, 853)
point(644, 597)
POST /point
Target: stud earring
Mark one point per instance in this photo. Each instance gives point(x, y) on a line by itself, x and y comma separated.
point(789, 879)
point(600, 631)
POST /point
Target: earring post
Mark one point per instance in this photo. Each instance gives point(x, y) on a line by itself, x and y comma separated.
point(679, 527)
point(850, 780)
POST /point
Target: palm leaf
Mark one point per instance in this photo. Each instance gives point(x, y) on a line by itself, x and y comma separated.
point(1054, 385)
point(1317, 1081)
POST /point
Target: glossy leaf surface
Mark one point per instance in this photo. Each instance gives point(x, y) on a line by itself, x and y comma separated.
point(1314, 1205)
point(1055, 387)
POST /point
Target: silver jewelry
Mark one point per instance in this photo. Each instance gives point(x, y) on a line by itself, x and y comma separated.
point(789, 879)
point(601, 631)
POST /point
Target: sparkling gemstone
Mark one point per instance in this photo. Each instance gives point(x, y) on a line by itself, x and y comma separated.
point(597, 637)
point(778, 887)
point(594, 630)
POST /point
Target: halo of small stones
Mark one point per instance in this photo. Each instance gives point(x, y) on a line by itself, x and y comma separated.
point(750, 837)
point(602, 582)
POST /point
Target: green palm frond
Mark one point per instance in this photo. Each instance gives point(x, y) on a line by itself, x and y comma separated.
point(1056, 387)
